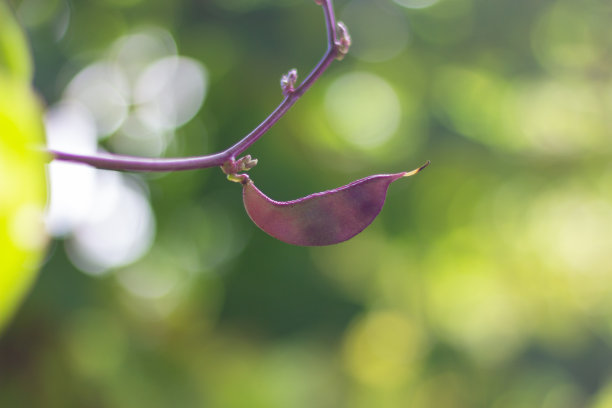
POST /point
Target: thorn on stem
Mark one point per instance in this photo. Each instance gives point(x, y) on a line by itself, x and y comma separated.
point(343, 43)
point(319, 2)
point(288, 81)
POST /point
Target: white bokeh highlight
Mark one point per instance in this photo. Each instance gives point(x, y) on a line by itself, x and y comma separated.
point(105, 216)
point(119, 229)
point(136, 97)
point(104, 89)
point(135, 51)
point(170, 92)
point(70, 128)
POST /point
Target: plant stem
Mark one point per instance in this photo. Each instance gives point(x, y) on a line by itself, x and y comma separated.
point(133, 163)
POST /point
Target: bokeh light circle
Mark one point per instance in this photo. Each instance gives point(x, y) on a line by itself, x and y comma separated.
point(119, 229)
point(70, 128)
point(170, 92)
point(363, 109)
point(416, 4)
point(104, 89)
point(135, 51)
point(382, 348)
point(379, 33)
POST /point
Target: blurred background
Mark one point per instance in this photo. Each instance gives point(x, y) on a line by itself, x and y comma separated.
point(485, 282)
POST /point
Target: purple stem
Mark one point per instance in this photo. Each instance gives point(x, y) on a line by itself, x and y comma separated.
point(133, 163)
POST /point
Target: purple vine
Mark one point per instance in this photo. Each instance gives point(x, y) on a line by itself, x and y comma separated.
point(338, 41)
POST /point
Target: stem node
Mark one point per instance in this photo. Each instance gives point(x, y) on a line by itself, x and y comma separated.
point(288, 82)
point(343, 43)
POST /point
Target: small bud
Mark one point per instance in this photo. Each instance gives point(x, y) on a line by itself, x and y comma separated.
point(343, 42)
point(246, 163)
point(319, 2)
point(231, 167)
point(288, 81)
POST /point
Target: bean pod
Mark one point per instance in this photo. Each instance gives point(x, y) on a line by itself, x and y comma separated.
point(324, 218)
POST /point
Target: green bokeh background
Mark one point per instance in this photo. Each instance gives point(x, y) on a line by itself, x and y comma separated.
point(485, 282)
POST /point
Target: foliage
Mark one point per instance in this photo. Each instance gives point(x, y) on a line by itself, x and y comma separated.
point(22, 180)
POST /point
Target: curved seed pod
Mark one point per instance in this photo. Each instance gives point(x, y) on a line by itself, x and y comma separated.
point(322, 218)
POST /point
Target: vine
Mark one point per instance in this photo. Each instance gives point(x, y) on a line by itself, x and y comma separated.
point(338, 43)
point(323, 218)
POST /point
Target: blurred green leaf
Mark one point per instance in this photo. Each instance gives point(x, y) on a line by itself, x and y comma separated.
point(14, 52)
point(22, 179)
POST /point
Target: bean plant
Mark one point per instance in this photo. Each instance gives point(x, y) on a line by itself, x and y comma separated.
point(323, 218)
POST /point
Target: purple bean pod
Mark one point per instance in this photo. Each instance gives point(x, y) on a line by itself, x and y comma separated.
point(324, 218)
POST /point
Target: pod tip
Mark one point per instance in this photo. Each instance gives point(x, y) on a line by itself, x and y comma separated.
point(415, 171)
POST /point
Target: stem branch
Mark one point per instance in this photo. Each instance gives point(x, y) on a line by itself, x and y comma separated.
point(132, 163)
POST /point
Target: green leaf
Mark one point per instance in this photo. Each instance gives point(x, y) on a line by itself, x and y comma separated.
point(22, 177)
point(14, 51)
